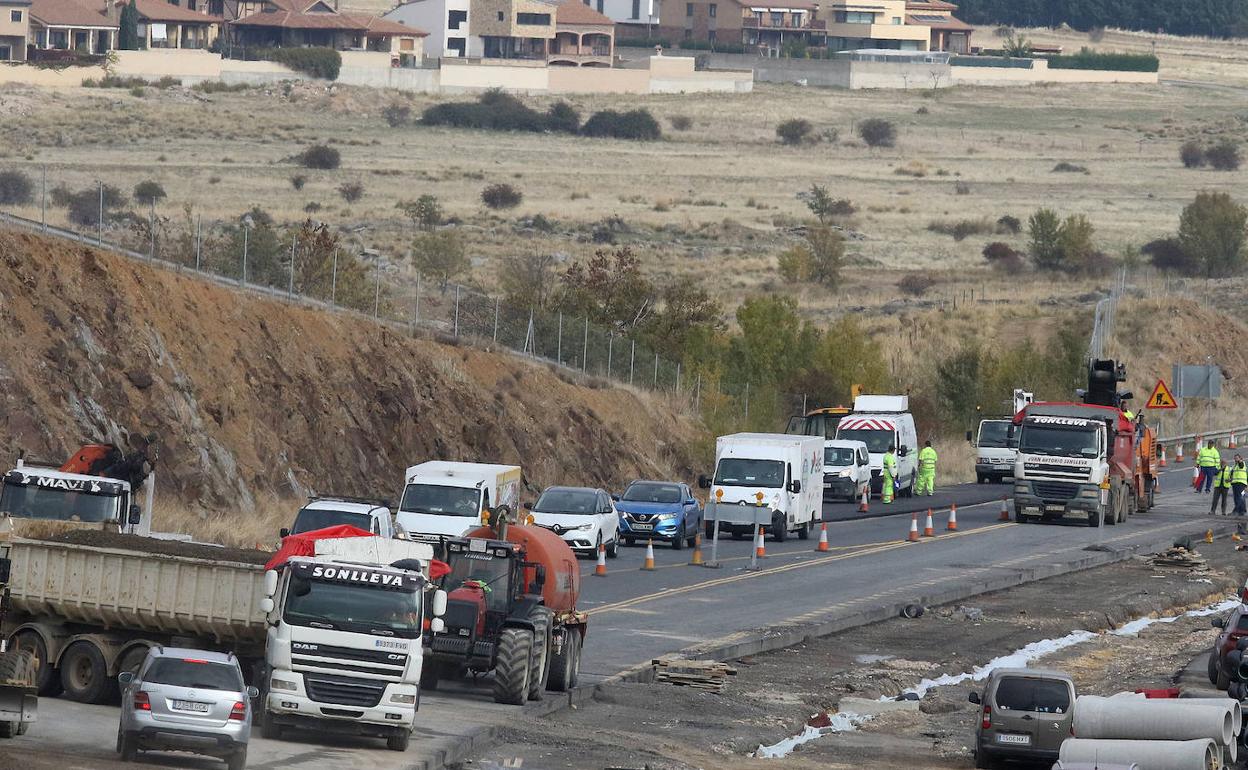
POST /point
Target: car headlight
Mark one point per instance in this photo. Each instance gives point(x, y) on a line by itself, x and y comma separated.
point(846, 473)
point(283, 684)
point(668, 516)
point(581, 528)
point(401, 698)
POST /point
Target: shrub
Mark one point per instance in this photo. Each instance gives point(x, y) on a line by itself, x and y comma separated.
point(493, 111)
point(1224, 156)
point(501, 196)
point(16, 189)
point(320, 156)
point(149, 192)
point(425, 212)
point(1192, 154)
point(1009, 224)
point(962, 229)
point(916, 284)
point(1088, 59)
point(681, 122)
point(1214, 229)
point(634, 124)
point(316, 61)
point(351, 191)
point(1167, 254)
point(825, 207)
point(217, 87)
point(397, 114)
point(1096, 34)
point(794, 263)
point(877, 132)
point(83, 207)
point(563, 118)
point(440, 255)
point(795, 131)
point(297, 181)
point(1069, 168)
point(962, 188)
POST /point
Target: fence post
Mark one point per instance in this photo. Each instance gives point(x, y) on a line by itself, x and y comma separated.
point(456, 310)
point(697, 393)
point(417, 316)
point(43, 200)
point(199, 240)
point(610, 347)
point(333, 282)
point(151, 228)
point(496, 303)
point(100, 224)
point(747, 400)
point(246, 234)
point(678, 378)
point(632, 357)
point(290, 287)
point(585, 348)
point(377, 296)
point(803, 404)
point(655, 386)
point(559, 343)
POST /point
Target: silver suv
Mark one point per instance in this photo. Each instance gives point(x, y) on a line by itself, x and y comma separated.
point(186, 700)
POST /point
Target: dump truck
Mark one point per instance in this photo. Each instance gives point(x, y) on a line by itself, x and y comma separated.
point(511, 610)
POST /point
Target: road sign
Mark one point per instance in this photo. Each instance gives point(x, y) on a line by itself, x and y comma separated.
point(1197, 381)
point(1162, 398)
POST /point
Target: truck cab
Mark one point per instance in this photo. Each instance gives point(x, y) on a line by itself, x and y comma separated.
point(1063, 470)
point(369, 515)
point(771, 481)
point(881, 422)
point(38, 494)
point(817, 422)
point(996, 450)
point(447, 499)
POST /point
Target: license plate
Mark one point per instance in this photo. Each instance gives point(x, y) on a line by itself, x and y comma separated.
point(643, 527)
point(1055, 508)
point(1014, 740)
point(187, 705)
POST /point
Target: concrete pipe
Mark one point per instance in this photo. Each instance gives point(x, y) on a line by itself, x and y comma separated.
point(1230, 753)
point(1148, 755)
point(1130, 719)
point(1237, 712)
point(1091, 766)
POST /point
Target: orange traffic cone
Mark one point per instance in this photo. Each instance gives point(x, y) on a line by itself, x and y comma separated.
point(1196, 477)
point(914, 528)
point(928, 530)
point(1005, 510)
point(1231, 444)
point(823, 538)
point(648, 564)
point(760, 550)
point(952, 526)
point(866, 496)
point(1178, 453)
point(696, 561)
point(1162, 463)
point(601, 569)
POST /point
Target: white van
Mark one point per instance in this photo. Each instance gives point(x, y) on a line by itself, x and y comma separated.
point(446, 499)
point(846, 470)
point(995, 451)
point(770, 479)
point(881, 422)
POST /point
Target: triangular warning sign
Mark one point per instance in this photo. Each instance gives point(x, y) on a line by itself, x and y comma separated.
point(1162, 398)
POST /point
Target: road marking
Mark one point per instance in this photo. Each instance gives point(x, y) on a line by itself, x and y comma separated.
point(864, 551)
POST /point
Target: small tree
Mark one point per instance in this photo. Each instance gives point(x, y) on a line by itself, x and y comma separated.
point(795, 131)
point(1016, 47)
point(1224, 156)
point(1009, 225)
point(425, 212)
point(440, 255)
point(128, 28)
point(1213, 230)
point(149, 192)
point(351, 191)
point(1078, 251)
point(16, 189)
point(827, 250)
point(794, 263)
point(501, 196)
point(877, 132)
point(563, 118)
point(1044, 231)
point(1001, 256)
point(825, 207)
point(1192, 154)
point(527, 280)
point(320, 156)
point(397, 114)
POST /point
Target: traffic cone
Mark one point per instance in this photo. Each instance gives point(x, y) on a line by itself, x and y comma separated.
point(952, 526)
point(1005, 510)
point(648, 564)
point(1208, 535)
point(1231, 444)
point(1178, 453)
point(823, 538)
point(760, 550)
point(914, 528)
point(601, 569)
point(928, 530)
point(1163, 457)
point(696, 561)
point(1196, 478)
point(866, 497)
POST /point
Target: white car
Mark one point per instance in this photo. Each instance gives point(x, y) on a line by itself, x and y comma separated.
point(585, 518)
point(846, 470)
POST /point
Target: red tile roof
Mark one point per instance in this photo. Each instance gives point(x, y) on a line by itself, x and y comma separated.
point(794, 5)
point(370, 26)
point(379, 27)
point(161, 10)
point(930, 5)
point(69, 13)
point(576, 12)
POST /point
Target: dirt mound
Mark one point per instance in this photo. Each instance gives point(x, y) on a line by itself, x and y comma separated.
point(253, 398)
point(156, 547)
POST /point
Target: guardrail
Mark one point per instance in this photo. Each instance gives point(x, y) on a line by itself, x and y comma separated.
point(1216, 435)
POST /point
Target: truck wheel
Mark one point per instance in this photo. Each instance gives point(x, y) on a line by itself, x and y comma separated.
point(981, 478)
point(780, 529)
point(511, 672)
point(539, 670)
point(47, 680)
point(84, 675)
point(395, 742)
point(804, 532)
point(8, 729)
point(563, 664)
point(270, 730)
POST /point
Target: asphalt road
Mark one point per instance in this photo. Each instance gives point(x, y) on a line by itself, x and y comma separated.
point(637, 615)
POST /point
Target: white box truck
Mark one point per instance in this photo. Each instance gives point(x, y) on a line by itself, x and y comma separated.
point(771, 480)
point(445, 499)
point(881, 422)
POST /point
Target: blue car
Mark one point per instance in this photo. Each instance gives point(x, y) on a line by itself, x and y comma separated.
point(661, 510)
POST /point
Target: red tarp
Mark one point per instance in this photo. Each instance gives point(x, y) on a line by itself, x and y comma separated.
point(304, 544)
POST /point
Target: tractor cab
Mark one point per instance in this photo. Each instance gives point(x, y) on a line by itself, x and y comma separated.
point(484, 584)
point(818, 422)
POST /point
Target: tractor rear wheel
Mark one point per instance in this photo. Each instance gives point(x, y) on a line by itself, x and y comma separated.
point(539, 670)
point(564, 665)
point(511, 671)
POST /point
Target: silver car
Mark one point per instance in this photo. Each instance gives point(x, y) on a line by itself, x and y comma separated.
point(186, 700)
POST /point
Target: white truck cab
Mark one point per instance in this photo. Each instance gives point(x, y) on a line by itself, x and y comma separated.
point(771, 480)
point(38, 493)
point(996, 450)
point(446, 499)
point(369, 515)
point(881, 422)
point(846, 469)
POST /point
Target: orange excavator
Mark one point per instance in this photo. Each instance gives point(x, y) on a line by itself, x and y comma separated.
point(109, 461)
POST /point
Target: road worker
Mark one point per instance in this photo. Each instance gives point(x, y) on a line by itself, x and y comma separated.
point(1221, 485)
point(1207, 460)
point(888, 478)
point(927, 470)
point(1239, 482)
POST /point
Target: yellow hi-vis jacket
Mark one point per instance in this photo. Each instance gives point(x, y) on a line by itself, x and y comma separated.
point(1208, 458)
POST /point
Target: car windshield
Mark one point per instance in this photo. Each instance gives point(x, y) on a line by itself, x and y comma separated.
point(652, 493)
point(491, 572)
point(877, 441)
point(1043, 696)
point(734, 472)
point(352, 607)
point(994, 434)
point(32, 502)
point(838, 456)
point(1059, 442)
point(190, 672)
point(584, 502)
point(814, 425)
point(310, 519)
point(440, 500)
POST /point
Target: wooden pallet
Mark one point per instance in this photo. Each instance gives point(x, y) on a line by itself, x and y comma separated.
point(708, 675)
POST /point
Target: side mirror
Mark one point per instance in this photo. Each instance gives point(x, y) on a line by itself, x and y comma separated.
point(527, 506)
point(125, 678)
point(1126, 396)
point(973, 698)
point(616, 498)
point(253, 692)
point(136, 514)
point(704, 482)
point(795, 486)
point(970, 437)
point(439, 603)
point(1218, 623)
point(437, 625)
point(539, 579)
point(284, 532)
point(270, 583)
point(266, 605)
point(903, 452)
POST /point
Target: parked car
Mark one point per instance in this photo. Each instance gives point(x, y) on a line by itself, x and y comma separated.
point(1025, 714)
point(186, 700)
point(321, 512)
point(846, 470)
point(662, 510)
point(1234, 627)
point(584, 517)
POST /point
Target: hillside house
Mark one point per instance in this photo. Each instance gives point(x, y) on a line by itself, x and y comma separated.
point(296, 23)
point(14, 29)
point(70, 25)
point(765, 27)
point(162, 24)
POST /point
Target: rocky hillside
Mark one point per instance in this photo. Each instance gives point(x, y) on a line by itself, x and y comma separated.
point(253, 399)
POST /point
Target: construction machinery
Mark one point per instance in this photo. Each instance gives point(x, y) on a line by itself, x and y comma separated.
point(511, 610)
point(818, 422)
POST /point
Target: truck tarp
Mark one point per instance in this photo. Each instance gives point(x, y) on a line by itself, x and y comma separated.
point(304, 544)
